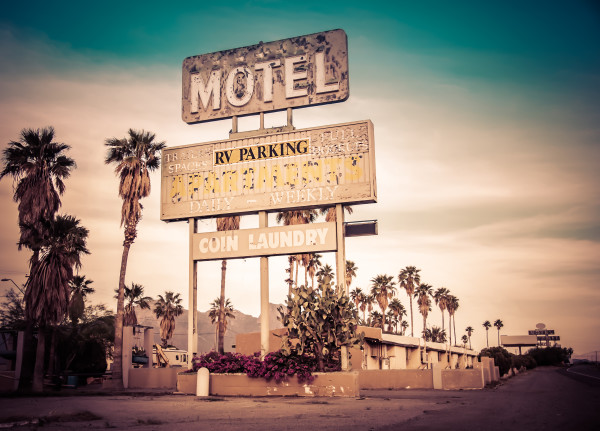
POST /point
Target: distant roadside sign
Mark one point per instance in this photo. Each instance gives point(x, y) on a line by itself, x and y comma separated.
point(320, 166)
point(301, 71)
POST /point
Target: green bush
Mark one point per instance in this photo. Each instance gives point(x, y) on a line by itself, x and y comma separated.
point(550, 355)
point(502, 358)
point(527, 361)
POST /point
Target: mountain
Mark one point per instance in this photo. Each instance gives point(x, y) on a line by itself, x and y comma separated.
point(242, 324)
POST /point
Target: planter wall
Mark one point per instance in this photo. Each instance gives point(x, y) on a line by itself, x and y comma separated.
point(324, 385)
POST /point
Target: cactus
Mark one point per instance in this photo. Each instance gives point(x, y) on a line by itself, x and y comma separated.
point(319, 322)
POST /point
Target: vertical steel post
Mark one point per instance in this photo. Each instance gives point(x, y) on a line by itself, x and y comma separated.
point(340, 259)
point(263, 222)
point(193, 301)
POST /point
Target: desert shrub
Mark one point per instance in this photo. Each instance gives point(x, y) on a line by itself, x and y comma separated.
point(526, 361)
point(502, 358)
point(550, 355)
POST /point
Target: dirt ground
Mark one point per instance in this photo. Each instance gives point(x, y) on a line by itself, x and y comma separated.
point(541, 399)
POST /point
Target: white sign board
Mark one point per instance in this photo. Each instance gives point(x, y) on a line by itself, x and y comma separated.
point(320, 166)
point(278, 240)
point(301, 71)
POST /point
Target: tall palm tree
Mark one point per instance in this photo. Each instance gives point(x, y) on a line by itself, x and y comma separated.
point(392, 320)
point(134, 295)
point(498, 324)
point(224, 224)
point(313, 265)
point(215, 314)
point(465, 339)
point(452, 306)
point(383, 289)
point(351, 269)
point(397, 309)
point(167, 308)
point(423, 294)
point(409, 278)
point(363, 300)
point(487, 325)
point(441, 300)
point(293, 218)
point(80, 288)
point(135, 157)
point(48, 290)
point(470, 331)
point(38, 166)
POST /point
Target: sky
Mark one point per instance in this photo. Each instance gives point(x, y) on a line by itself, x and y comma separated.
point(487, 144)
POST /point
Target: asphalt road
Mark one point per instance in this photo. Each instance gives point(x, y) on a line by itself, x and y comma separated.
point(541, 399)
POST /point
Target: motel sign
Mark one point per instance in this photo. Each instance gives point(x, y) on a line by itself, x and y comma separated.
point(301, 71)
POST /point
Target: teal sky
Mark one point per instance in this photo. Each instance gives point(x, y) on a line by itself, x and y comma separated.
point(487, 123)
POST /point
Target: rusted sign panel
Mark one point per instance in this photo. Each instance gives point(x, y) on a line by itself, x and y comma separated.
point(278, 240)
point(320, 166)
point(301, 71)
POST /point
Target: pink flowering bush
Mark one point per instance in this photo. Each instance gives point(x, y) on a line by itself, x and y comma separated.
point(276, 365)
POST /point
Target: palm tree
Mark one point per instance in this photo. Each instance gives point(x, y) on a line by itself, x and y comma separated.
point(464, 340)
point(452, 306)
point(409, 279)
point(397, 309)
point(48, 289)
point(383, 289)
point(441, 300)
point(403, 325)
point(498, 324)
point(487, 325)
point(167, 309)
point(470, 331)
point(134, 295)
point(313, 264)
point(80, 288)
point(135, 157)
point(355, 296)
point(325, 274)
point(351, 269)
point(330, 213)
point(39, 166)
point(292, 218)
point(215, 314)
point(224, 224)
point(423, 294)
point(363, 299)
point(376, 319)
point(435, 334)
point(392, 320)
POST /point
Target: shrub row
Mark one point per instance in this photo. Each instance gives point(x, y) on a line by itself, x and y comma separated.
point(276, 365)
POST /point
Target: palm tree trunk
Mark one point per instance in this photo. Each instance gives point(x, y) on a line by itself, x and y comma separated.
point(498, 337)
point(38, 371)
point(117, 367)
point(412, 334)
point(487, 342)
point(449, 329)
point(443, 319)
point(221, 323)
point(291, 282)
point(28, 363)
point(454, 326)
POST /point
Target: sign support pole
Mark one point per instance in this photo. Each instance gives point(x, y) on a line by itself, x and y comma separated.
point(340, 257)
point(263, 222)
point(193, 301)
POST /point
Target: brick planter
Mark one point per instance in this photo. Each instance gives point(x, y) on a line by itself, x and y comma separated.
point(340, 384)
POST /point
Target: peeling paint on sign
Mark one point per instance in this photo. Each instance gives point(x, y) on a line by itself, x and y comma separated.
point(301, 71)
point(313, 167)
